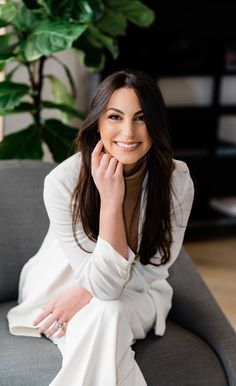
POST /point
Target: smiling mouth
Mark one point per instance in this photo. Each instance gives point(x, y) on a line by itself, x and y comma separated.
point(127, 146)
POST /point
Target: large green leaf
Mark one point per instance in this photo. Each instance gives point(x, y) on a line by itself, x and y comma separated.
point(23, 107)
point(49, 37)
point(64, 108)
point(82, 11)
point(26, 19)
point(134, 11)
point(87, 10)
point(4, 59)
point(11, 94)
point(7, 13)
point(25, 144)
point(62, 96)
point(57, 9)
point(113, 23)
point(92, 57)
point(59, 138)
point(7, 43)
point(99, 40)
point(6, 48)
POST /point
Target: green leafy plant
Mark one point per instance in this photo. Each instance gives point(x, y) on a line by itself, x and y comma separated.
point(35, 31)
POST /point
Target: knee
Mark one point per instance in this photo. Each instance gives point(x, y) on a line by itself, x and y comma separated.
point(110, 315)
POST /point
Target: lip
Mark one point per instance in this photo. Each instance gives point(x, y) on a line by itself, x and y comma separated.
point(127, 143)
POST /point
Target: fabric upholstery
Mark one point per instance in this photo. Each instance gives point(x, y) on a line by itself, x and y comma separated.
point(24, 220)
point(179, 358)
point(198, 349)
point(36, 361)
point(195, 309)
point(25, 361)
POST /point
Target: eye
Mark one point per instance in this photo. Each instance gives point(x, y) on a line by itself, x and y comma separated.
point(114, 117)
point(140, 118)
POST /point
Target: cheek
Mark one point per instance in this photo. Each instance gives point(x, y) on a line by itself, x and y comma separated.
point(106, 138)
point(147, 147)
point(107, 133)
point(147, 140)
point(103, 131)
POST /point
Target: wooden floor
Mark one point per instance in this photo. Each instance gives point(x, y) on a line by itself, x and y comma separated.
point(216, 262)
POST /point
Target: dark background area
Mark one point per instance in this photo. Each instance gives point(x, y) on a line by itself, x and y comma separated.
point(195, 39)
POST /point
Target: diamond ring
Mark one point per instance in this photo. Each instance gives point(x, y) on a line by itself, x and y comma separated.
point(60, 326)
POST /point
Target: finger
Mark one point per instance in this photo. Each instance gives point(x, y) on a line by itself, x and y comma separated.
point(55, 330)
point(112, 165)
point(119, 168)
point(61, 333)
point(49, 322)
point(42, 316)
point(52, 330)
point(96, 154)
point(105, 161)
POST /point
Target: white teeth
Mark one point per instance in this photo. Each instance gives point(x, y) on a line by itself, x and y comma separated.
point(127, 146)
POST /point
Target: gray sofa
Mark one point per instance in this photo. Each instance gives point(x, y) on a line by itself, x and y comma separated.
point(198, 349)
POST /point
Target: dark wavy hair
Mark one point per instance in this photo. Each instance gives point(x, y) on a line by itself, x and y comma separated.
point(85, 202)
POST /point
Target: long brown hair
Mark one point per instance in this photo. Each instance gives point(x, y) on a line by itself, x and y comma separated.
point(85, 203)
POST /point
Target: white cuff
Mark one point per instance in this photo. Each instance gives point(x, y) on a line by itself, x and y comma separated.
point(120, 260)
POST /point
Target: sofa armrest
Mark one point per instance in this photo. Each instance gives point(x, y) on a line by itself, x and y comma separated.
point(195, 308)
point(23, 218)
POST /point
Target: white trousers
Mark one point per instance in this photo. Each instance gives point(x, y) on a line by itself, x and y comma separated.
point(97, 349)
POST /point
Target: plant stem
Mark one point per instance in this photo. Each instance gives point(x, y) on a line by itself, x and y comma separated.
point(39, 89)
point(37, 85)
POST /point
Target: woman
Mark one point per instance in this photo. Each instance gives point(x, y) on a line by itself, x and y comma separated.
point(118, 210)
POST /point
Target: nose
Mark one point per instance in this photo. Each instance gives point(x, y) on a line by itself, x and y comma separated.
point(128, 128)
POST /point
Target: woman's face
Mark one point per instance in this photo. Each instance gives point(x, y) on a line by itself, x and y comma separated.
point(122, 127)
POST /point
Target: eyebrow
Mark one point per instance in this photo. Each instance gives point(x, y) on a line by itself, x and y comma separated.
point(121, 112)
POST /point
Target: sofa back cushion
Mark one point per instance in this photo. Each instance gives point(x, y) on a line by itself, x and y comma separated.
point(23, 218)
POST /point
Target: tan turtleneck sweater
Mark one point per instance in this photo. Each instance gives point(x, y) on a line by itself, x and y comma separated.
point(131, 204)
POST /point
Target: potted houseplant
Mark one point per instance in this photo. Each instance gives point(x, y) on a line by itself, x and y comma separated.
point(34, 31)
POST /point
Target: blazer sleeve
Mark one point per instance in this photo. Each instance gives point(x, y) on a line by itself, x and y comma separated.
point(102, 272)
point(160, 289)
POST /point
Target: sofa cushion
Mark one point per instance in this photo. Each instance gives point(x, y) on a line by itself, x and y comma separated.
point(179, 358)
point(25, 361)
point(35, 362)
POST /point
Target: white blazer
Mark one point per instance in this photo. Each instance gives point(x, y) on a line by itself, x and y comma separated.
point(60, 262)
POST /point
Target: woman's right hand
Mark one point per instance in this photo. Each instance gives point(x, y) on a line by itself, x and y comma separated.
point(108, 177)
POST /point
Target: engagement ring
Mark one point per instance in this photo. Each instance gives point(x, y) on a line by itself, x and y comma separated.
point(60, 326)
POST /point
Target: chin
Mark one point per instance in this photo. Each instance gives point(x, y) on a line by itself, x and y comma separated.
point(128, 160)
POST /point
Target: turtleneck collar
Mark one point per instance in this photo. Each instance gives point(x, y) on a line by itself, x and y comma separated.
point(135, 179)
